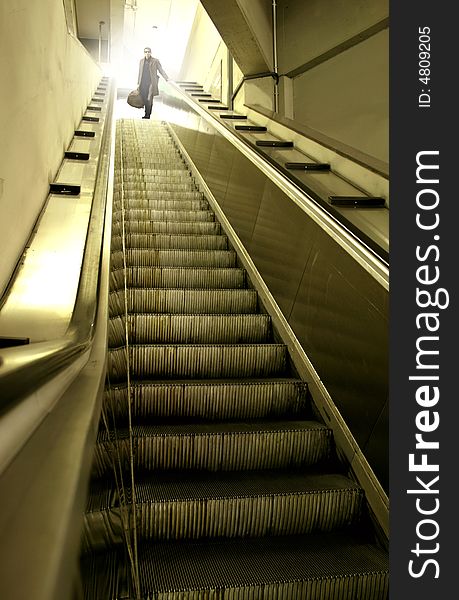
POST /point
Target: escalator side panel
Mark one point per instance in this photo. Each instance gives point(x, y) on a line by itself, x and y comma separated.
point(337, 310)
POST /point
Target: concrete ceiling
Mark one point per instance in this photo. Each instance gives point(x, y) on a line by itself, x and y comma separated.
point(165, 25)
point(167, 16)
point(245, 26)
point(88, 14)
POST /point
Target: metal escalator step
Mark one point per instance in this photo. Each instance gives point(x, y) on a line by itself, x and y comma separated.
point(134, 152)
point(177, 170)
point(210, 400)
point(159, 162)
point(167, 158)
point(320, 566)
point(183, 505)
point(189, 329)
point(174, 258)
point(247, 446)
point(177, 301)
point(130, 176)
point(173, 227)
point(131, 185)
point(156, 195)
point(149, 214)
point(166, 204)
point(165, 241)
point(201, 361)
point(178, 277)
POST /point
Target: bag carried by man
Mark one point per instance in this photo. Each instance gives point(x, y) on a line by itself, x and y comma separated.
point(135, 99)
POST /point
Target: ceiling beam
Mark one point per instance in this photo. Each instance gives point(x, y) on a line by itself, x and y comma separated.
point(245, 27)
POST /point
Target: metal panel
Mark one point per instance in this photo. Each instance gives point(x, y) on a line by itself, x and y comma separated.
point(342, 325)
point(220, 164)
point(281, 244)
point(243, 197)
point(338, 311)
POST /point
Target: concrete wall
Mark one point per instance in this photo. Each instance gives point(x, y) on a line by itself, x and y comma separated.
point(243, 26)
point(47, 81)
point(206, 57)
point(347, 98)
point(258, 15)
point(335, 54)
point(203, 45)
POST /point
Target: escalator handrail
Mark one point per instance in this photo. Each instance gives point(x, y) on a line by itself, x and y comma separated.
point(23, 369)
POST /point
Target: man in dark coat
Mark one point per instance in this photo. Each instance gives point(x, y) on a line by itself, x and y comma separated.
point(148, 80)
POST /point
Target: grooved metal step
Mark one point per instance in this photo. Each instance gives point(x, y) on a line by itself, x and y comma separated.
point(178, 277)
point(156, 195)
point(173, 227)
point(181, 506)
point(165, 241)
point(132, 185)
point(215, 361)
point(209, 400)
point(178, 170)
point(152, 164)
point(174, 258)
point(161, 204)
point(183, 301)
point(189, 329)
point(149, 214)
point(321, 566)
point(217, 446)
point(131, 176)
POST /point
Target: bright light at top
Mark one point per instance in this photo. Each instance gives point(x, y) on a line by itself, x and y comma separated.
point(164, 26)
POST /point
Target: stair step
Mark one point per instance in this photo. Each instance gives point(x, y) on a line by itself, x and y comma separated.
point(134, 176)
point(209, 400)
point(320, 566)
point(200, 361)
point(173, 227)
point(174, 258)
point(130, 195)
point(132, 184)
point(183, 301)
point(178, 277)
point(177, 170)
point(161, 147)
point(164, 241)
point(158, 163)
point(189, 329)
point(149, 214)
point(227, 446)
point(162, 204)
point(184, 505)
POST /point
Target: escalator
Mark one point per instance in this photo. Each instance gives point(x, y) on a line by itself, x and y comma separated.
point(213, 475)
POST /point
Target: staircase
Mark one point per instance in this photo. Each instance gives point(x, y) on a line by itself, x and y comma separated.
point(212, 477)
